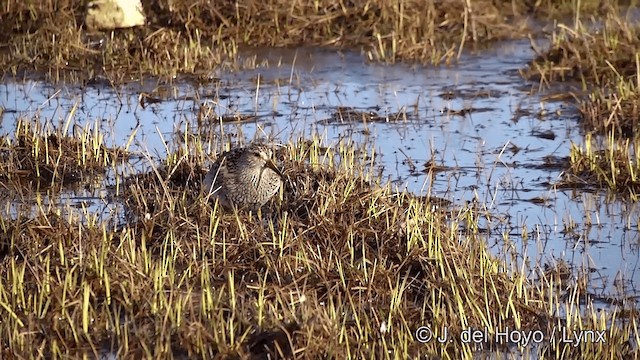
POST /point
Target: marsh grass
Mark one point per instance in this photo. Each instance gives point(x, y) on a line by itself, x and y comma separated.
point(45, 155)
point(601, 58)
point(590, 54)
point(610, 163)
point(614, 108)
point(338, 265)
point(559, 9)
point(196, 36)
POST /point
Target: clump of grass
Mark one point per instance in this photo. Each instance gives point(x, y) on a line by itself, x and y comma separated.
point(615, 168)
point(47, 155)
point(603, 60)
point(592, 55)
point(613, 109)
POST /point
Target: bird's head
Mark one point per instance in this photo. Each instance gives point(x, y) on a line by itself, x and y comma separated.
point(262, 154)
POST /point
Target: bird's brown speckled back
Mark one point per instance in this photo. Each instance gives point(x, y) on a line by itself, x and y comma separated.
point(244, 177)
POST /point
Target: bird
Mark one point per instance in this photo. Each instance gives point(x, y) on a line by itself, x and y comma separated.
point(244, 177)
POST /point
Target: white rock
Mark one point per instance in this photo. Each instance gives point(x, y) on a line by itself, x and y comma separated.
point(113, 14)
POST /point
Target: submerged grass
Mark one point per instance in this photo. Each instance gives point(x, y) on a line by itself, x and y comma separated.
point(339, 265)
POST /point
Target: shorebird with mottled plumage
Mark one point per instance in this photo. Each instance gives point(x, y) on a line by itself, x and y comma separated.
point(245, 177)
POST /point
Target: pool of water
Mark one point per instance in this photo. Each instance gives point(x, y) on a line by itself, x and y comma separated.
point(479, 120)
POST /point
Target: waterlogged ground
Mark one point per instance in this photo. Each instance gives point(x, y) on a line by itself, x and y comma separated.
point(469, 132)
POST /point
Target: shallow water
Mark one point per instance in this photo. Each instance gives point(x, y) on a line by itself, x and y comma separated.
point(494, 153)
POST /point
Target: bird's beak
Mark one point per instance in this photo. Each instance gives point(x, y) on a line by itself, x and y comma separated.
point(271, 165)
